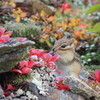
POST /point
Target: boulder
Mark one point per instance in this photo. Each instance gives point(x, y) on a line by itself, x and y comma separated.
point(41, 88)
point(79, 87)
point(38, 6)
point(12, 52)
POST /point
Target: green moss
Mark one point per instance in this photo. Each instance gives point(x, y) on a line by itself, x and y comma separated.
point(8, 61)
point(24, 77)
point(29, 30)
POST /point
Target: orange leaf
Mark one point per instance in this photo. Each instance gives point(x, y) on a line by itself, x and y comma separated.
point(51, 18)
point(76, 33)
point(23, 15)
point(83, 31)
point(13, 5)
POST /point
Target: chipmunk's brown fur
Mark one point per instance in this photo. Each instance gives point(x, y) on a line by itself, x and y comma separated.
point(69, 62)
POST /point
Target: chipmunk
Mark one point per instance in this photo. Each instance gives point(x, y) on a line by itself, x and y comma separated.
point(69, 62)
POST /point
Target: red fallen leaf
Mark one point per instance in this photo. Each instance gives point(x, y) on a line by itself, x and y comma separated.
point(49, 60)
point(23, 63)
point(9, 87)
point(28, 64)
point(22, 39)
point(4, 38)
point(1, 41)
point(65, 6)
point(2, 32)
point(46, 57)
point(97, 75)
point(57, 71)
point(7, 93)
point(8, 90)
point(60, 85)
point(26, 70)
point(37, 52)
point(54, 58)
point(16, 70)
point(25, 67)
point(31, 64)
point(22, 71)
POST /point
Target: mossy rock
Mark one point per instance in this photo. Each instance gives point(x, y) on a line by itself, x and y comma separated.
point(29, 30)
point(13, 52)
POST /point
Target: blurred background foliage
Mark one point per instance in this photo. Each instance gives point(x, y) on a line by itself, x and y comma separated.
point(78, 18)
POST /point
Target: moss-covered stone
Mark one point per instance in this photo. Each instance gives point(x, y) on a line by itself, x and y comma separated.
point(13, 52)
point(29, 30)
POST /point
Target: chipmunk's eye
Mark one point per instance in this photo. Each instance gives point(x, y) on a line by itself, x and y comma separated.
point(63, 46)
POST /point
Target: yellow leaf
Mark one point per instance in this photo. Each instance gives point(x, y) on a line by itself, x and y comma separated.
point(41, 40)
point(42, 13)
point(19, 11)
point(13, 15)
point(48, 43)
point(17, 19)
point(32, 20)
point(64, 26)
point(23, 15)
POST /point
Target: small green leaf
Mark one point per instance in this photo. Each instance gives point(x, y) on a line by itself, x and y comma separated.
point(96, 28)
point(93, 8)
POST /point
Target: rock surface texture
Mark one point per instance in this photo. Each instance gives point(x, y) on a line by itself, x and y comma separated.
point(12, 52)
point(39, 6)
point(79, 87)
point(40, 88)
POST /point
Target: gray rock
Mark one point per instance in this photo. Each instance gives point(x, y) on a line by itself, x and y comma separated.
point(79, 87)
point(62, 95)
point(38, 6)
point(1, 92)
point(41, 79)
point(12, 52)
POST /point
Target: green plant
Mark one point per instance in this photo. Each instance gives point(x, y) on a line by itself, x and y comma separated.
point(94, 8)
point(28, 30)
point(90, 53)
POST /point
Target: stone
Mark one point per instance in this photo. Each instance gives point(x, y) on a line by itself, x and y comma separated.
point(40, 86)
point(12, 52)
point(79, 87)
point(39, 6)
point(1, 92)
